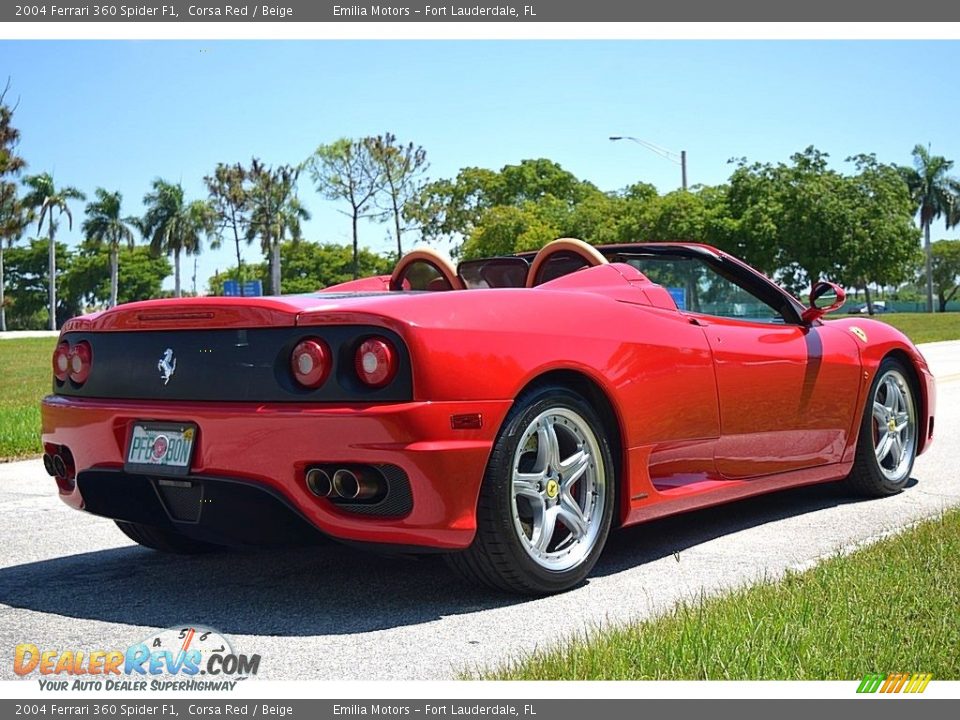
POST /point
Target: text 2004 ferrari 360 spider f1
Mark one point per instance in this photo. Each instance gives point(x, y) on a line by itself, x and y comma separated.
point(507, 412)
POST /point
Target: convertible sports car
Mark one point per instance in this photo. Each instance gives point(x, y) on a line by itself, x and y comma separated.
point(507, 412)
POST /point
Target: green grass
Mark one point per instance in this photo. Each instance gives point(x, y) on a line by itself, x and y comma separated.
point(922, 327)
point(889, 607)
point(25, 377)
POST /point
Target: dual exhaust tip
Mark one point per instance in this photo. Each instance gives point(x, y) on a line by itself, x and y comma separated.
point(55, 466)
point(344, 484)
point(58, 462)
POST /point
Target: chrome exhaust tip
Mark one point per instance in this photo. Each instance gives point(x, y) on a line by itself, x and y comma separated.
point(318, 482)
point(48, 465)
point(351, 486)
point(346, 484)
point(59, 467)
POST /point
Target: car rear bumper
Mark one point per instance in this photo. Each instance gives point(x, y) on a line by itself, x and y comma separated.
point(269, 447)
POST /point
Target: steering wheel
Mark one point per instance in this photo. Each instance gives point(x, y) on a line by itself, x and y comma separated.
point(588, 254)
point(437, 264)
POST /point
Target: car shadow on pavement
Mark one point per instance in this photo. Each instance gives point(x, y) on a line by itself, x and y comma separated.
point(651, 541)
point(332, 589)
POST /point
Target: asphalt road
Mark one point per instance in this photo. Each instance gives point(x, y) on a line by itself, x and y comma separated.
point(68, 580)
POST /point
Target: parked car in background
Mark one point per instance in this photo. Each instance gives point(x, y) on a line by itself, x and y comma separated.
point(879, 308)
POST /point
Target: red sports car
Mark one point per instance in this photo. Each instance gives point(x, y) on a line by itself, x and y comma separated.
point(507, 412)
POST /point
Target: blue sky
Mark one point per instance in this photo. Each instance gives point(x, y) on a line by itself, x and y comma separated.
point(119, 113)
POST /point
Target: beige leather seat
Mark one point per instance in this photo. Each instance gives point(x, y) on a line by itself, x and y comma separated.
point(437, 265)
point(580, 250)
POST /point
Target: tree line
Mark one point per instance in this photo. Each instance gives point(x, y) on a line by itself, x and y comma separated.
point(375, 177)
point(797, 221)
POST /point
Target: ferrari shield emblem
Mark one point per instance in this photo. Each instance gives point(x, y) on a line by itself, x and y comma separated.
point(858, 332)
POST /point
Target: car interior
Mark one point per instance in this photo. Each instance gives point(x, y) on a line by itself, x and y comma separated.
point(698, 280)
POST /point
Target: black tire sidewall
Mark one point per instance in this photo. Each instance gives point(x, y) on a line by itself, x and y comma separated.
point(498, 484)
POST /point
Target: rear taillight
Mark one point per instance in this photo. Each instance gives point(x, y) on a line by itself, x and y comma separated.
point(376, 362)
point(81, 360)
point(61, 361)
point(311, 363)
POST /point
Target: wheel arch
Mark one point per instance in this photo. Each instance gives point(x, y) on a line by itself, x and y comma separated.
point(599, 399)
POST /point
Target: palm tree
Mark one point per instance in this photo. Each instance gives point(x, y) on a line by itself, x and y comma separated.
point(935, 195)
point(173, 226)
point(44, 196)
point(104, 226)
point(276, 211)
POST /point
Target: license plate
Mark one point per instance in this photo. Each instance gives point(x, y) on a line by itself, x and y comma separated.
point(161, 448)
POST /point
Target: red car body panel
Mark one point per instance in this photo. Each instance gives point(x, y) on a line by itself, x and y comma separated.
point(704, 409)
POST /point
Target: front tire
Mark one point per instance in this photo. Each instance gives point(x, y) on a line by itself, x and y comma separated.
point(547, 499)
point(163, 540)
point(887, 444)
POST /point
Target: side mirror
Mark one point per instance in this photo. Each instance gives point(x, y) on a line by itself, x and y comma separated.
point(824, 297)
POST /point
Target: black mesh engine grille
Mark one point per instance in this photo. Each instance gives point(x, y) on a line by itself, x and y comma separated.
point(397, 502)
point(182, 499)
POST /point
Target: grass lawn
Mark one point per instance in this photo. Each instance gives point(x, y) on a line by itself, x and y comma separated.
point(921, 327)
point(25, 377)
point(890, 607)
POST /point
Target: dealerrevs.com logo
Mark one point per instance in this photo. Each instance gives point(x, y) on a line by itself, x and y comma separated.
point(179, 658)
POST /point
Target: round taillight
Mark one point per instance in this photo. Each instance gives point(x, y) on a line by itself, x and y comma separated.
point(61, 361)
point(80, 362)
point(376, 362)
point(310, 363)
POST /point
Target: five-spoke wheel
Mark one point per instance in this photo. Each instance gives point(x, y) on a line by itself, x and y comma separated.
point(887, 445)
point(894, 424)
point(547, 498)
point(559, 489)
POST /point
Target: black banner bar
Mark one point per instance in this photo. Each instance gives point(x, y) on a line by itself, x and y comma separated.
point(578, 11)
point(443, 709)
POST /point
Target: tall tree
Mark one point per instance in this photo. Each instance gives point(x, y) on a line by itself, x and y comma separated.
point(45, 198)
point(173, 226)
point(104, 227)
point(275, 212)
point(13, 214)
point(946, 270)
point(140, 275)
point(804, 221)
point(27, 265)
point(345, 170)
point(882, 243)
point(935, 194)
point(456, 208)
point(230, 199)
point(402, 169)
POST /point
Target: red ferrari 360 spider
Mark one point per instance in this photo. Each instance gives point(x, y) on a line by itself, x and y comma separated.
point(507, 412)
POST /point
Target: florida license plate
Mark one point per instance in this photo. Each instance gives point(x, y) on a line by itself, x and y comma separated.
point(161, 448)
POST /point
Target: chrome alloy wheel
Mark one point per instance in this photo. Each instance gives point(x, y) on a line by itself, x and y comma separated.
point(558, 489)
point(894, 426)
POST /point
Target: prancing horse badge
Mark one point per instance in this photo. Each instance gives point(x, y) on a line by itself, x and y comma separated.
point(167, 365)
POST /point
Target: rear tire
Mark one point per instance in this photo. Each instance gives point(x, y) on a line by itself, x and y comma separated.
point(887, 443)
point(163, 540)
point(547, 499)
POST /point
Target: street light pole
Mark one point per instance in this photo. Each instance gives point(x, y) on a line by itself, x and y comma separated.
point(679, 158)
